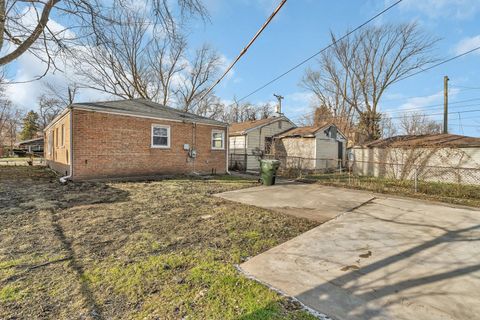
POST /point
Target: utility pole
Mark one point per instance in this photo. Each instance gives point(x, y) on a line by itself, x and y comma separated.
point(279, 98)
point(445, 104)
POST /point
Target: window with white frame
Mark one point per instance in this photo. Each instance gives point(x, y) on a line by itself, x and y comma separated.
point(218, 139)
point(160, 136)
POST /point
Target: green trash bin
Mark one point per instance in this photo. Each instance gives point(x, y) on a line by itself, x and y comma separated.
point(268, 171)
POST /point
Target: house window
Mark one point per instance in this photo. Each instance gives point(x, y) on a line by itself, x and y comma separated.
point(268, 145)
point(56, 137)
point(160, 136)
point(218, 139)
point(279, 124)
point(63, 135)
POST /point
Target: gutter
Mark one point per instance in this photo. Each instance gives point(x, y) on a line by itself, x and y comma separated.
point(68, 177)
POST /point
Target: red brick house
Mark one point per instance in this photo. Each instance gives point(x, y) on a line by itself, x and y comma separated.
point(133, 138)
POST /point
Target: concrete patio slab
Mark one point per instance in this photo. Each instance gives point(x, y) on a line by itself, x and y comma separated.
point(309, 201)
point(388, 259)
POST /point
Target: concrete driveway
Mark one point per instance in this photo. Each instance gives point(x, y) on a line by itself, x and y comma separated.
point(309, 201)
point(389, 258)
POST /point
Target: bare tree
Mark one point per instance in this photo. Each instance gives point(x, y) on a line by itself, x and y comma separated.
point(49, 107)
point(388, 127)
point(10, 119)
point(419, 123)
point(241, 112)
point(62, 94)
point(130, 61)
point(354, 74)
point(24, 25)
point(114, 61)
point(199, 75)
point(165, 60)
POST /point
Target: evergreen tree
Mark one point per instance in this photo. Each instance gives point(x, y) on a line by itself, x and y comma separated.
point(30, 126)
point(369, 125)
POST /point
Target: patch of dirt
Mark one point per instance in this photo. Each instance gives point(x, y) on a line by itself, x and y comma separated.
point(132, 249)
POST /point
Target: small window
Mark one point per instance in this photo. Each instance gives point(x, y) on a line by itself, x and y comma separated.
point(160, 136)
point(218, 138)
point(268, 145)
point(56, 137)
point(63, 135)
point(279, 124)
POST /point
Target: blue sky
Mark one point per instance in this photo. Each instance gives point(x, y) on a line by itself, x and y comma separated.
point(301, 29)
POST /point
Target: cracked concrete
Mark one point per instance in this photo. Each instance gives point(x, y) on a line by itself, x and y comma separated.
point(376, 257)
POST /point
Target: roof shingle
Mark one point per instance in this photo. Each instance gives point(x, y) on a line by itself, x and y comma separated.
point(240, 128)
point(304, 132)
point(143, 107)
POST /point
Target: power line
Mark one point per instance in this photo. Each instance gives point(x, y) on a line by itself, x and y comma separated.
point(245, 49)
point(319, 52)
point(429, 106)
point(465, 88)
point(419, 108)
point(438, 64)
point(426, 115)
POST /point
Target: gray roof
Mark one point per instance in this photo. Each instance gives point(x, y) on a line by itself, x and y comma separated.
point(143, 107)
point(40, 140)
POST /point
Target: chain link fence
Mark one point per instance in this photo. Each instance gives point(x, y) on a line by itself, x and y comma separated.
point(458, 182)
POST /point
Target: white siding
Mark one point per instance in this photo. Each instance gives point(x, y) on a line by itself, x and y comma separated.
point(256, 140)
point(327, 150)
point(441, 164)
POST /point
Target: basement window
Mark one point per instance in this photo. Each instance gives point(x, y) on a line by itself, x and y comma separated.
point(218, 139)
point(160, 136)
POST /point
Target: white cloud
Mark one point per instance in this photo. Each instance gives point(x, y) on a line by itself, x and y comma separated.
point(297, 104)
point(23, 89)
point(467, 44)
point(25, 95)
point(216, 7)
point(420, 103)
point(458, 9)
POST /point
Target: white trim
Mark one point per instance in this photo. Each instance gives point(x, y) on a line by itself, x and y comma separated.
point(223, 139)
point(149, 117)
point(168, 136)
point(57, 118)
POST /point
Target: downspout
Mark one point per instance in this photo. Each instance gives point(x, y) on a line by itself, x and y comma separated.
point(227, 143)
point(194, 146)
point(70, 175)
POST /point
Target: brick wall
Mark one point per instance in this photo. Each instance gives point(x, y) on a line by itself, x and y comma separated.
point(56, 147)
point(109, 145)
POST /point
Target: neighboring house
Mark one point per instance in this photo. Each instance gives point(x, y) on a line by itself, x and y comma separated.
point(251, 139)
point(432, 157)
point(31, 146)
point(312, 148)
point(133, 138)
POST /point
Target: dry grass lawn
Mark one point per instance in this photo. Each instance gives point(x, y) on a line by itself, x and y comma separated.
point(134, 250)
